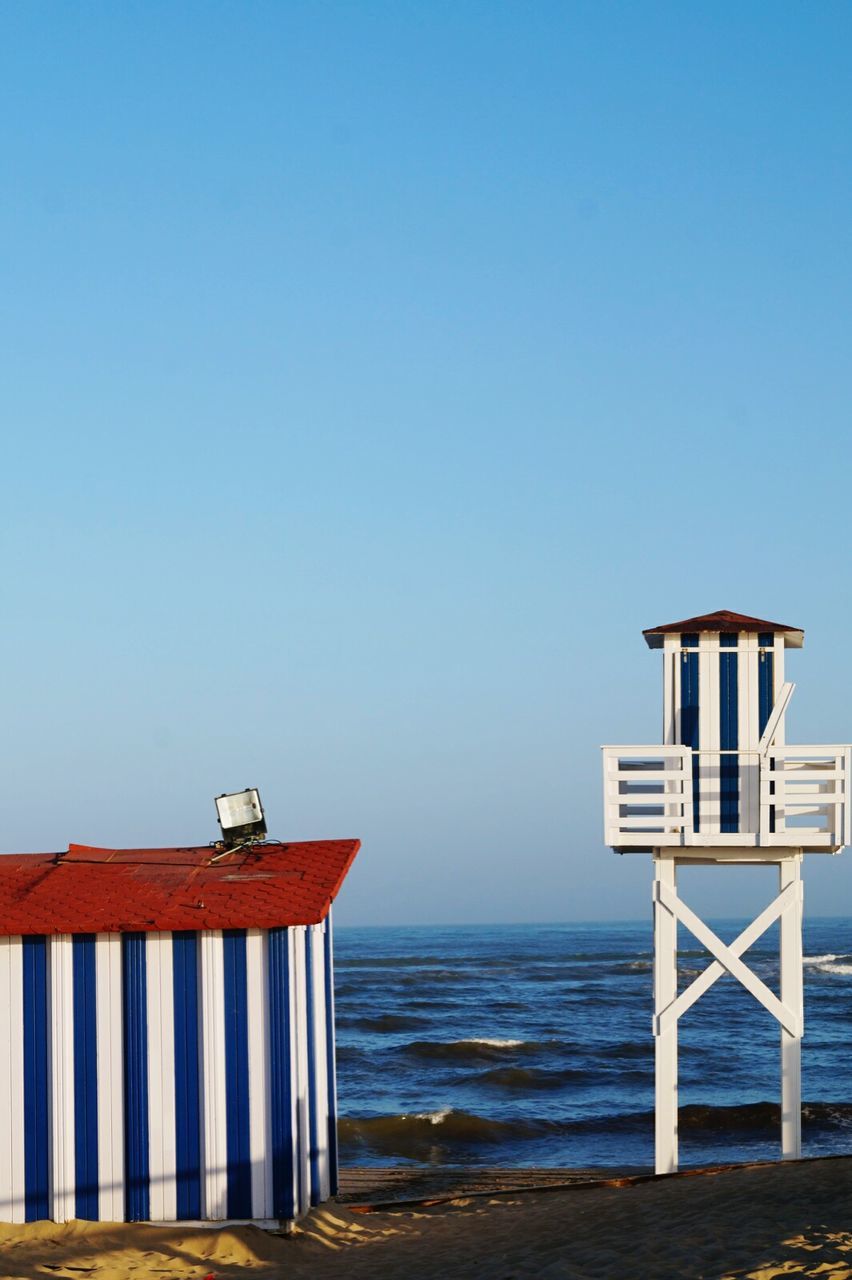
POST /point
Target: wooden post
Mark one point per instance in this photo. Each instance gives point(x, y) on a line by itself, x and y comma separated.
point(791, 995)
point(665, 1044)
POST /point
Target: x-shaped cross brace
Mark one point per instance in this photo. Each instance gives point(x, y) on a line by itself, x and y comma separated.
point(727, 959)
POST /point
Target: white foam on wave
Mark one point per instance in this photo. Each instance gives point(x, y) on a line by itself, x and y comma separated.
point(434, 1117)
point(840, 965)
point(493, 1044)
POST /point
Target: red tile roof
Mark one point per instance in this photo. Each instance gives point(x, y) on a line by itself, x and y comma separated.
point(725, 622)
point(125, 890)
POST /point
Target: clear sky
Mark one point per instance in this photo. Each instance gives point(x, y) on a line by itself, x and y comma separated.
point(372, 374)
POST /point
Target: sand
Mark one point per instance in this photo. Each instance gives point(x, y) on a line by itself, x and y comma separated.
point(760, 1222)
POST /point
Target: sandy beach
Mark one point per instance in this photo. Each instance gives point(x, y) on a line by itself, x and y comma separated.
point(759, 1222)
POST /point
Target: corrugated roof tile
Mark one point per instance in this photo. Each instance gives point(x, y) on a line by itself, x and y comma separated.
point(89, 890)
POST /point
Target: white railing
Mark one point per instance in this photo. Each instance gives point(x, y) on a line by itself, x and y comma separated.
point(647, 795)
point(805, 791)
point(803, 797)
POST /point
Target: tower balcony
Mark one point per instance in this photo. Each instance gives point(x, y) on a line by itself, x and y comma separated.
point(785, 797)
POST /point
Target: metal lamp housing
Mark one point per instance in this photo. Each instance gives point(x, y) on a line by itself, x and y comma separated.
point(241, 817)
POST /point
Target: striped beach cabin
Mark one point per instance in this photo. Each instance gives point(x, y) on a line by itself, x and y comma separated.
point(167, 1033)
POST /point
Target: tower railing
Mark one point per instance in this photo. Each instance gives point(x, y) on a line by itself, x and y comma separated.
point(671, 795)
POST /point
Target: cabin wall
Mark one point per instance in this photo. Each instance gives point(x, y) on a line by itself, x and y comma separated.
point(167, 1076)
point(718, 692)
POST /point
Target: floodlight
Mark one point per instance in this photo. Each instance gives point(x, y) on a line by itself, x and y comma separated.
point(241, 817)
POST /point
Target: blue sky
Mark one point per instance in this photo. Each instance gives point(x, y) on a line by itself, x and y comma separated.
point(372, 375)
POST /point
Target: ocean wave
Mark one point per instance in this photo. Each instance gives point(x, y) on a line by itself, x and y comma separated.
point(481, 1048)
point(385, 1022)
point(523, 1079)
point(624, 1050)
point(388, 962)
point(431, 1135)
point(448, 1133)
point(836, 964)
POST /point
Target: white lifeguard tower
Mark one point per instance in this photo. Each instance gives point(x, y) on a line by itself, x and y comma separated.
point(723, 787)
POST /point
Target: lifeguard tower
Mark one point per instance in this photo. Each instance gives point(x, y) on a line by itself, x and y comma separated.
point(723, 787)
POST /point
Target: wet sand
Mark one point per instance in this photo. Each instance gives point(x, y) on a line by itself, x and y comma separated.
point(759, 1222)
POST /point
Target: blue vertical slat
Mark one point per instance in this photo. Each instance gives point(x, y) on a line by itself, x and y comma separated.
point(313, 1129)
point(36, 1100)
point(729, 719)
point(135, 1001)
point(236, 1074)
point(187, 1094)
point(329, 1050)
point(280, 1082)
point(766, 678)
point(689, 716)
point(85, 1077)
point(766, 693)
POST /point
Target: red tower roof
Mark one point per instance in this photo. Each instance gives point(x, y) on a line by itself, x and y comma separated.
point(725, 622)
point(90, 890)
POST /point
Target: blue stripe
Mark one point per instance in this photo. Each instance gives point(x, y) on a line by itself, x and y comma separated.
point(36, 1101)
point(236, 1074)
point(766, 695)
point(765, 687)
point(187, 1094)
point(85, 1077)
point(729, 772)
point(689, 721)
point(329, 1049)
point(313, 1130)
point(280, 1083)
point(135, 992)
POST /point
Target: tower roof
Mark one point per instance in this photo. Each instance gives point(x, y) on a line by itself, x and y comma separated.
point(726, 623)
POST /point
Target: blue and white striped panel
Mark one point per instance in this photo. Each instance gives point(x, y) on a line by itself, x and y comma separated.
point(162, 1077)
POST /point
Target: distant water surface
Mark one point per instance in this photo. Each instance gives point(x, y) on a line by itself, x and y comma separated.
point(532, 1045)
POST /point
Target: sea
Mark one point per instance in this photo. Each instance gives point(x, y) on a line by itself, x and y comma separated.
point(531, 1045)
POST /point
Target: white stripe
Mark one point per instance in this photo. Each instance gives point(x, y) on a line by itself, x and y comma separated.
point(780, 733)
point(260, 1146)
point(320, 1057)
point(11, 1080)
point(671, 687)
point(778, 680)
point(161, 1077)
point(331, 1046)
point(293, 1100)
point(108, 1018)
point(300, 1035)
point(214, 1155)
point(61, 1128)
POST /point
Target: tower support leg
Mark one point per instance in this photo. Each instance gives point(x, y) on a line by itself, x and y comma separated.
point(792, 996)
point(665, 1044)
